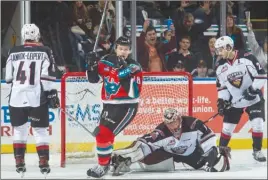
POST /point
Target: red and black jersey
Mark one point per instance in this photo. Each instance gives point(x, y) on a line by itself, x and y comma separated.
point(120, 84)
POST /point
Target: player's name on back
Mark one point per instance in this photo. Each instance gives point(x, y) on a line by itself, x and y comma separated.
point(27, 56)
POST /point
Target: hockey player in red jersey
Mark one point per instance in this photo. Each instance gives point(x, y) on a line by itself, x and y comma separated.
point(27, 69)
point(122, 80)
point(239, 82)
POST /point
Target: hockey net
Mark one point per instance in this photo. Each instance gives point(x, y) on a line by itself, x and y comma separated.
point(82, 101)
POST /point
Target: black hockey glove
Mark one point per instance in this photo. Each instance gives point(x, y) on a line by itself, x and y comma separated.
point(121, 62)
point(53, 99)
point(250, 94)
point(92, 61)
point(223, 105)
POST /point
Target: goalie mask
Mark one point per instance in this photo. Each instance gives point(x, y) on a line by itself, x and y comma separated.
point(170, 115)
point(172, 119)
point(30, 32)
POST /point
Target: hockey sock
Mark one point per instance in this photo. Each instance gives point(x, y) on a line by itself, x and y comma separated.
point(257, 140)
point(226, 133)
point(20, 135)
point(104, 140)
point(257, 133)
point(42, 142)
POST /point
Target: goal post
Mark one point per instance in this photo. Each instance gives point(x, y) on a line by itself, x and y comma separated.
point(82, 100)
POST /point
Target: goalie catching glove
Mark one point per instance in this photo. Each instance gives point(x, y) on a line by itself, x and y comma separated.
point(53, 99)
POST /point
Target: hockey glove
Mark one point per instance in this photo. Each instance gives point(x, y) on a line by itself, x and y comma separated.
point(53, 99)
point(223, 105)
point(92, 61)
point(121, 62)
point(250, 94)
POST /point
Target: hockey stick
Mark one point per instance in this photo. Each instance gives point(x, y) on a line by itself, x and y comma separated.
point(94, 133)
point(215, 115)
point(100, 26)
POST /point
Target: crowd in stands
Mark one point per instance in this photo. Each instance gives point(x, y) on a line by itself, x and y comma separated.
point(70, 29)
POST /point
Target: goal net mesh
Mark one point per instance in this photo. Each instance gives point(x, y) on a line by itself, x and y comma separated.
point(82, 101)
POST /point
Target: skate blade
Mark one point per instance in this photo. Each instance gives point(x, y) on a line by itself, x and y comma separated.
point(21, 175)
point(45, 175)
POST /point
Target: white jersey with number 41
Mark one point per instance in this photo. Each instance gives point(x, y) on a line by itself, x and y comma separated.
point(27, 69)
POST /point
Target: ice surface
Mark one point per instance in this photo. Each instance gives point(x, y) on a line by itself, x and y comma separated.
point(243, 166)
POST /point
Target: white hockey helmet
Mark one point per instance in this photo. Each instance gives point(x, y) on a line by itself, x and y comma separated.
point(171, 115)
point(224, 42)
point(30, 32)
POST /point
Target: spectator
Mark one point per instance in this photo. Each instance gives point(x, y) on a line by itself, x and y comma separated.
point(150, 52)
point(185, 25)
point(183, 54)
point(82, 18)
point(260, 53)
point(235, 33)
point(179, 67)
point(203, 13)
point(202, 70)
point(95, 13)
point(209, 54)
point(166, 37)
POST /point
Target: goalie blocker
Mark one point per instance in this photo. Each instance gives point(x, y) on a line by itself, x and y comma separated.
point(178, 139)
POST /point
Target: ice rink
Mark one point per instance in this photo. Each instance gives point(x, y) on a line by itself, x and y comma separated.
point(243, 166)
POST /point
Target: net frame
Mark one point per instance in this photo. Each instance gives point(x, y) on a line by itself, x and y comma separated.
point(83, 74)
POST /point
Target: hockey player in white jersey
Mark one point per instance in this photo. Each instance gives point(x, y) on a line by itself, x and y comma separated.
point(27, 70)
point(239, 83)
point(177, 139)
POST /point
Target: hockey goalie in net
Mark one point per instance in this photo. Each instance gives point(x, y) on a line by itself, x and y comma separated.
point(178, 139)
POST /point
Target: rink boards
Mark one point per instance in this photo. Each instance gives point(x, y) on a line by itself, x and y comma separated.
point(87, 111)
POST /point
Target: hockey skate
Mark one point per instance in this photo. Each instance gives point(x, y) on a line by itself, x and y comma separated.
point(258, 156)
point(44, 166)
point(98, 171)
point(120, 164)
point(20, 166)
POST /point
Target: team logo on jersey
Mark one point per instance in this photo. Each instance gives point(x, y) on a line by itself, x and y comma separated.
point(236, 79)
point(111, 87)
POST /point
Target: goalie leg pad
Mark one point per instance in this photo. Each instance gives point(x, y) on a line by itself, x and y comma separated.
point(166, 165)
point(134, 152)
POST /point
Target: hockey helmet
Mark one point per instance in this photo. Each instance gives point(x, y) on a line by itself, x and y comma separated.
point(170, 115)
point(224, 42)
point(123, 41)
point(30, 32)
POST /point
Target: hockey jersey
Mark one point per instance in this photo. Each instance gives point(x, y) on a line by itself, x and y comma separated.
point(192, 134)
point(27, 69)
point(236, 75)
point(120, 85)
